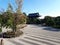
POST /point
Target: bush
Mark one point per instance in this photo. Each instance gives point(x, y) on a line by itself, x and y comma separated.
point(10, 34)
point(56, 26)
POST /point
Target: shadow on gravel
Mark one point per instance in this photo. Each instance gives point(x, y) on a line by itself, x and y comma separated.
point(48, 28)
point(0, 35)
point(51, 29)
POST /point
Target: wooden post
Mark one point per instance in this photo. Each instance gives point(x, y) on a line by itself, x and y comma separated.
point(1, 41)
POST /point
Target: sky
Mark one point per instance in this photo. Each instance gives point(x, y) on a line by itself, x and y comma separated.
point(43, 7)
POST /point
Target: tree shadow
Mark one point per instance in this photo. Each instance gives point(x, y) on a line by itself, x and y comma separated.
point(48, 28)
point(0, 35)
point(51, 29)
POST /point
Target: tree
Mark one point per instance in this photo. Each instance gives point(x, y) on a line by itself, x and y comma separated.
point(0, 22)
point(10, 8)
point(10, 19)
point(19, 6)
point(49, 20)
point(17, 18)
point(57, 22)
point(24, 13)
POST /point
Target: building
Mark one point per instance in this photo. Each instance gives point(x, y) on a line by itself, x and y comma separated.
point(33, 18)
point(33, 15)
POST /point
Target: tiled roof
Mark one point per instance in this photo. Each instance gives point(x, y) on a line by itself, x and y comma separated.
point(34, 15)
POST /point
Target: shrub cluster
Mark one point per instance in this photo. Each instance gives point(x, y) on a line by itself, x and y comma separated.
point(52, 21)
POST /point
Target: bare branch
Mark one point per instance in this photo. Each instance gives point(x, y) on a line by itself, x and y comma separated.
point(19, 4)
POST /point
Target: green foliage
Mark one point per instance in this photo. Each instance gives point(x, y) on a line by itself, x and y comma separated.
point(52, 21)
point(33, 21)
point(12, 20)
point(49, 20)
point(57, 22)
point(8, 19)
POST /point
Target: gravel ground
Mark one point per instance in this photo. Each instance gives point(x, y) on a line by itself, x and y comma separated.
point(36, 35)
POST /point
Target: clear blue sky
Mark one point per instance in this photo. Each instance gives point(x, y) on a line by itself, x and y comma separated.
point(44, 7)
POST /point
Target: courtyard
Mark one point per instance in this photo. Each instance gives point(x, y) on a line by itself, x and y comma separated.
point(36, 35)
